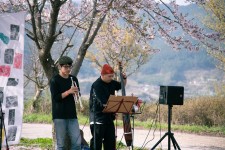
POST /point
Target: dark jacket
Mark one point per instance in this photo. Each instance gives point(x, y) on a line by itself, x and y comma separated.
point(102, 92)
point(62, 108)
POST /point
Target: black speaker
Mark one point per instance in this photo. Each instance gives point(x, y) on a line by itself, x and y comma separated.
point(171, 95)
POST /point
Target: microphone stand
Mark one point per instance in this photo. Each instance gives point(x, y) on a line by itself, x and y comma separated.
point(2, 126)
point(94, 111)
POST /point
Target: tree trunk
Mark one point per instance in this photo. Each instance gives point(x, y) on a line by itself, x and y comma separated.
point(38, 94)
point(48, 64)
point(35, 99)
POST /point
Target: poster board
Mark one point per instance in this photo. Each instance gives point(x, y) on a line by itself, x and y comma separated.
point(11, 73)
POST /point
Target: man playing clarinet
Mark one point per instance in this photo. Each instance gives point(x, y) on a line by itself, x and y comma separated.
point(64, 113)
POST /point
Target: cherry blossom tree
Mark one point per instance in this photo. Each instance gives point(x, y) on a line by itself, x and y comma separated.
point(115, 44)
point(48, 19)
point(215, 20)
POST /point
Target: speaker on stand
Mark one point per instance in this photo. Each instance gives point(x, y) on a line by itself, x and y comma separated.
point(170, 95)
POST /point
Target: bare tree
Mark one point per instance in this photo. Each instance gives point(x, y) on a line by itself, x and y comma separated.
point(34, 73)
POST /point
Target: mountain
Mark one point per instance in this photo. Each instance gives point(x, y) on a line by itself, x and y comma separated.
point(195, 70)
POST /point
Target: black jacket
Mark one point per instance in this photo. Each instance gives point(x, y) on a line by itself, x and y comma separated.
point(102, 91)
point(62, 108)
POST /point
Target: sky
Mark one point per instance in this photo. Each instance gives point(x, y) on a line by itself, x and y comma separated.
point(179, 2)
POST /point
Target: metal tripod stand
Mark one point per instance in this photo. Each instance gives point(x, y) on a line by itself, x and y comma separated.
point(2, 126)
point(169, 133)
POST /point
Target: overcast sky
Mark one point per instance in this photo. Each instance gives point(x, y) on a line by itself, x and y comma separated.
point(179, 2)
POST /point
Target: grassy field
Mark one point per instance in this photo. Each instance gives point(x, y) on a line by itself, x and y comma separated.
point(42, 143)
point(46, 144)
point(83, 120)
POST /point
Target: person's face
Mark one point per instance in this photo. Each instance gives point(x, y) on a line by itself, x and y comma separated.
point(65, 69)
point(107, 77)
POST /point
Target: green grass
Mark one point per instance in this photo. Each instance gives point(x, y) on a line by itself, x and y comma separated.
point(46, 143)
point(43, 143)
point(37, 118)
point(47, 118)
point(214, 130)
point(200, 129)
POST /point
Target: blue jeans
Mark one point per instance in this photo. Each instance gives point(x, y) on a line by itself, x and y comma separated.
point(70, 126)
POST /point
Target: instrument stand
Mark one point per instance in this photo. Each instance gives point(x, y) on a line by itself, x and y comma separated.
point(94, 103)
point(122, 104)
point(2, 126)
point(132, 128)
point(169, 133)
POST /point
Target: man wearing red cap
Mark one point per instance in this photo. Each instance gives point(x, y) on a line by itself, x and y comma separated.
point(104, 127)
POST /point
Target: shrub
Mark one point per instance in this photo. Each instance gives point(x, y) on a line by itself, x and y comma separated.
point(85, 103)
point(42, 105)
point(207, 111)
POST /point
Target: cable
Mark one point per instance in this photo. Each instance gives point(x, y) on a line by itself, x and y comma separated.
point(154, 121)
point(85, 123)
point(120, 142)
point(160, 127)
point(83, 128)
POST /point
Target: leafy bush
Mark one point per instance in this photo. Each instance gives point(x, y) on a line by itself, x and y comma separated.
point(206, 111)
point(85, 112)
point(42, 105)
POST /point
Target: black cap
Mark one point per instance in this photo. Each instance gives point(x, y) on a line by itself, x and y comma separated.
point(65, 60)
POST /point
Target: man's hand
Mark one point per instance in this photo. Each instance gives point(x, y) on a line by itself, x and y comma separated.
point(124, 76)
point(73, 90)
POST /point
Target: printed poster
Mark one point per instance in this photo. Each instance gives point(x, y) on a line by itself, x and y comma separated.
point(11, 74)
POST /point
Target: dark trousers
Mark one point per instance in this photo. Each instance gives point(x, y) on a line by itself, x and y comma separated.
point(105, 134)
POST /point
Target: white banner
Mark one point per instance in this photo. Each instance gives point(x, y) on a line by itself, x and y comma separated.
point(11, 74)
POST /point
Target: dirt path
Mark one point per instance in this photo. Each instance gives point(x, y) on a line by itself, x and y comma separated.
point(184, 140)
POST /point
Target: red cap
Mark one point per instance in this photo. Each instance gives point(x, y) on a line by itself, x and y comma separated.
point(107, 69)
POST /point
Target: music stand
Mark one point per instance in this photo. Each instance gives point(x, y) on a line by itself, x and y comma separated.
point(121, 104)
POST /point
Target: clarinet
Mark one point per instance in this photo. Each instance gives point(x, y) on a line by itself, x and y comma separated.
point(77, 98)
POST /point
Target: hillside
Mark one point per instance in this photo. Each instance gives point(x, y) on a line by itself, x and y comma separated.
point(195, 71)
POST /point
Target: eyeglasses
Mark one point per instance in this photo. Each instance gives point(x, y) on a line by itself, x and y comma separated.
point(67, 66)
